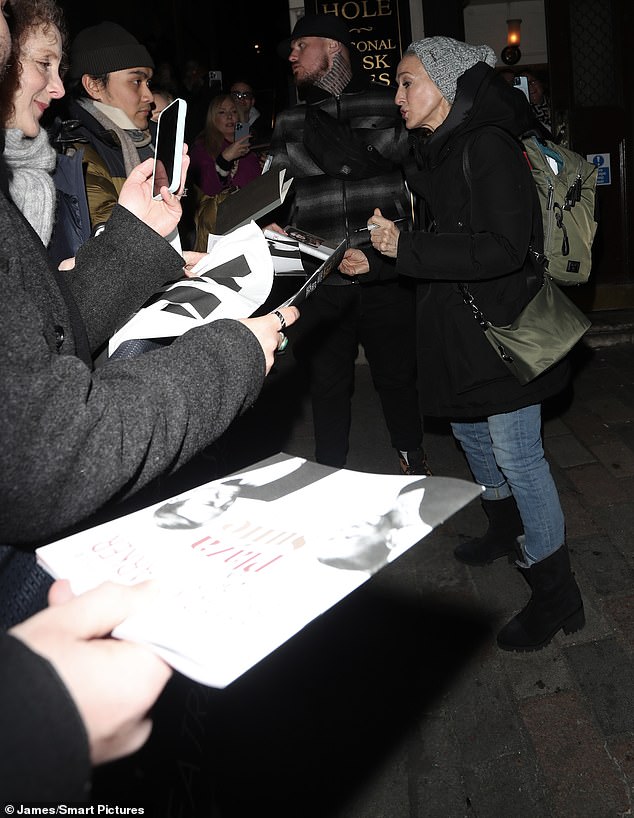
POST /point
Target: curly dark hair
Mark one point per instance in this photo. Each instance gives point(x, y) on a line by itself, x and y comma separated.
point(23, 17)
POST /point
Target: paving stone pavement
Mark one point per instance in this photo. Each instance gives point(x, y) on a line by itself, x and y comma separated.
point(397, 703)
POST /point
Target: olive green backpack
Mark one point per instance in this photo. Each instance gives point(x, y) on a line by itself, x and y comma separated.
point(567, 200)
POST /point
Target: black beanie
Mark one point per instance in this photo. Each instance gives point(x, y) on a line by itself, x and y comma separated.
point(104, 48)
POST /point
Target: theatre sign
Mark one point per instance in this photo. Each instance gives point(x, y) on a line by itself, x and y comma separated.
point(380, 31)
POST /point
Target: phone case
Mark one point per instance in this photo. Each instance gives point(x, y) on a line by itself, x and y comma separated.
point(172, 140)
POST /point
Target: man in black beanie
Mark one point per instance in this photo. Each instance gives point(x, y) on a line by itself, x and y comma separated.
point(343, 148)
point(110, 73)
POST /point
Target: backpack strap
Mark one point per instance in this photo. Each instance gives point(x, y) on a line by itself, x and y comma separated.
point(537, 228)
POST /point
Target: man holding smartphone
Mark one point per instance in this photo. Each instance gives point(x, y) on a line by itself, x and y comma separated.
point(111, 99)
point(244, 98)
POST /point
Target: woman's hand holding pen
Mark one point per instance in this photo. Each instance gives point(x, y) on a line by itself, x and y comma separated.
point(384, 235)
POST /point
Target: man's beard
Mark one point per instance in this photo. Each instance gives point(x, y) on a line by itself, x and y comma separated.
point(314, 76)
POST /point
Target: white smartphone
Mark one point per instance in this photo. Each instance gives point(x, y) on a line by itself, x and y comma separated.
point(241, 130)
point(168, 149)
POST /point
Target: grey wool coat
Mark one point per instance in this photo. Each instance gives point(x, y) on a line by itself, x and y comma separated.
point(73, 439)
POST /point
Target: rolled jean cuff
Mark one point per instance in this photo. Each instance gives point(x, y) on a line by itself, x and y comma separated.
point(496, 492)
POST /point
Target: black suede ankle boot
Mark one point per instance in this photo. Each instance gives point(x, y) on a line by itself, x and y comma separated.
point(505, 525)
point(555, 604)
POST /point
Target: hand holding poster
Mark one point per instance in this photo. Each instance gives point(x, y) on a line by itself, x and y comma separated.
point(245, 562)
point(234, 279)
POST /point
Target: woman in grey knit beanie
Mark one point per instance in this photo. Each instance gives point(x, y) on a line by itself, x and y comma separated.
point(445, 60)
point(483, 227)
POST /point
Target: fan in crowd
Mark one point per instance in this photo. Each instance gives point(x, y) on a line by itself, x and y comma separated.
point(218, 160)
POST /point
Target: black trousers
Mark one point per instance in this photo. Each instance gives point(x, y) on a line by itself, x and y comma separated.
point(334, 321)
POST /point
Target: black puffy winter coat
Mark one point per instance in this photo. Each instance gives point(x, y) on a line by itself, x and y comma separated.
point(478, 231)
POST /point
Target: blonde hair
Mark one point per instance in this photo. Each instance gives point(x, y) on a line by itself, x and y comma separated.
point(211, 137)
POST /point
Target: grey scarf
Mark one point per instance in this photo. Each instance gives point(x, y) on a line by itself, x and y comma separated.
point(31, 162)
point(130, 139)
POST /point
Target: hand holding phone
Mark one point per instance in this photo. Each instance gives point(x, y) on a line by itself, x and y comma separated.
point(241, 130)
point(168, 150)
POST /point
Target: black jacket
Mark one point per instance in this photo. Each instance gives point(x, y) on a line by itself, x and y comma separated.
point(334, 206)
point(478, 232)
point(43, 742)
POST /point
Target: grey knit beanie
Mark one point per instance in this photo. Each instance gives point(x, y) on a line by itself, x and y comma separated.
point(104, 48)
point(446, 60)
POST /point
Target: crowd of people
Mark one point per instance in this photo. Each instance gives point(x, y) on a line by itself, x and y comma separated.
point(79, 439)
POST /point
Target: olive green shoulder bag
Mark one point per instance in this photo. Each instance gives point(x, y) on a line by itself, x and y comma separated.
point(543, 333)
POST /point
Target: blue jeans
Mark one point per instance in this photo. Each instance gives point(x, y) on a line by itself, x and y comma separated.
point(506, 456)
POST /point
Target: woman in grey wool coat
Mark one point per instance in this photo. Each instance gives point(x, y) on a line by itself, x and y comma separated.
point(72, 438)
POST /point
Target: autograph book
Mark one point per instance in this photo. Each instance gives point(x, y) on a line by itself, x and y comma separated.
point(331, 263)
point(254, 200)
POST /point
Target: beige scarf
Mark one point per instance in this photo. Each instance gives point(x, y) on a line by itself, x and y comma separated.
point(114, 119)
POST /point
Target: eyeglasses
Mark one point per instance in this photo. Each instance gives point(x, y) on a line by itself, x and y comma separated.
point(242, 94)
